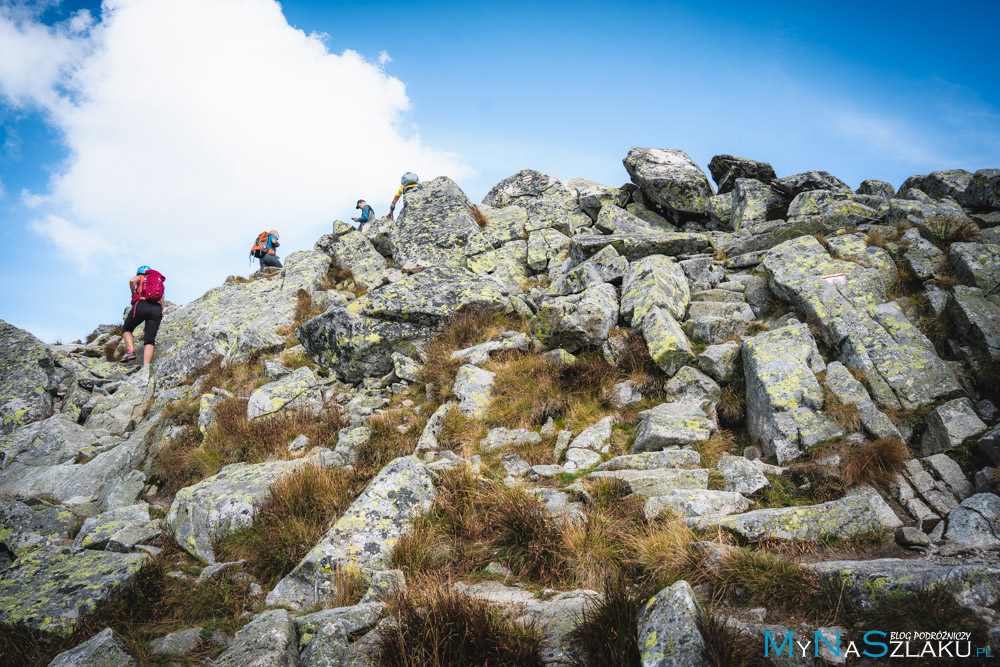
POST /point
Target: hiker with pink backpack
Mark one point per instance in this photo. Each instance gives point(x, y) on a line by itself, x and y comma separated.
point(147, 306)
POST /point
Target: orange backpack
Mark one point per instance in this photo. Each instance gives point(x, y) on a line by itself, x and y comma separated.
point(260, 248)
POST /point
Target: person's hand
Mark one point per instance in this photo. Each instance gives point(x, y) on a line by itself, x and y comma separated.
point(390, 215)
point(354, 219)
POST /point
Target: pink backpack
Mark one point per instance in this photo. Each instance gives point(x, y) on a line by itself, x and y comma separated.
point(151, 286)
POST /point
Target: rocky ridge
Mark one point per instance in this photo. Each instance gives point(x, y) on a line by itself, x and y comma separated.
point(566, 404)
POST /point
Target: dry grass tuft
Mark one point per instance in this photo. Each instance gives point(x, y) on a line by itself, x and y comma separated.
point(298, 510)
point(608, 633)
point(732, 407)
point(843, 415)
point(763, 578)
point(437, 626)
point(875, 463)
point(876, 238)
point(728, 647)
point(479, 217)
point(712, 450)
point(664, 554)
point(945, 230)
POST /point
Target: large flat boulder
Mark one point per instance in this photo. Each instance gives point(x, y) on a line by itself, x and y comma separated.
point(654, 281)
point(976, 318)
point(576, 321)
point(53, 590)
point(364, 536)
point(874, 337)
point(636, 246)
point(856, 513)
point(726, 169)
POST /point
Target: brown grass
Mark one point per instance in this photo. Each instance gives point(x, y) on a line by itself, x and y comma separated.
point(435, 626)
point(843, 415)
point(874, 463)
point(876, 238)
point(945, 230)
point(340, 278)
point(732, 405)
point(764, 579)
point(608, 634)
point(727, 646)
point(712, 450)
point(479, 217)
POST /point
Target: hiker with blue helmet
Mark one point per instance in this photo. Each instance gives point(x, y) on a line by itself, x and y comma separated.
point(367, 214)
point(408, 183)
point(147, 306)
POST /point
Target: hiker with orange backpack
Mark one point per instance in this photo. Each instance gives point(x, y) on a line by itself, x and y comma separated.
point(147, 306)
point(264, 249)
point(407, 184)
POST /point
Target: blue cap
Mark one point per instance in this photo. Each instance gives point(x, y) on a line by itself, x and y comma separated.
point(141, 270)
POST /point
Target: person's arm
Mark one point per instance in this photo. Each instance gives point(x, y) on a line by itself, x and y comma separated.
point(133, 284)
point(392, 207)
point(274, 241)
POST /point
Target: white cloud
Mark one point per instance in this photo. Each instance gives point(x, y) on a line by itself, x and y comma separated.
point(384, 58)
point(3, 191)
point(30, 199)
point(194, 124)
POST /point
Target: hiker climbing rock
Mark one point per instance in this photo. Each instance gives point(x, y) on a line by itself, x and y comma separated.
point(408, 183)
point(264, 249)
point(147, 306)
point(367, 214)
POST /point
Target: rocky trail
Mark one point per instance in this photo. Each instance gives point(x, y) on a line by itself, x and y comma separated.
point(572, 424)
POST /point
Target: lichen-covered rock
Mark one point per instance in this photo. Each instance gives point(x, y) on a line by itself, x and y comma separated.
point(672, 424)
point(975, 522)
point(23, 525)
point(593, 197)
point(119, 529)
point(809, 180)
point(670, 178)
point(105, 649)
point(668, 345)
point(576, 321)
point(474, 389)
point(658, 481)
point(296, 391)
point(696, 502)
point(251, 341)
point(849, 391)
point(983, 192)
point(726, 169)
point(923, 258)
point(525, 185)
point(860, 512)
point(874, 337)
point(480, 354)
point(181, 642)
point(868, 582)
point(976, 317)
point(949, 424)
point(853, 248)
point(784, 398)
point(436, 227)
point(951, 183)
point(669, 634)
point(741, 475)
point(845, 206)
point(54, 590)
point(25, 378)
point(122, 410)
point(207, 511)
point(354, 252)
point(544, 245)
point(364, 536)
point(755, 203)
point(652, 217)
point(615, 220)
point(267, 641)
point(48, 442)
point(668, 458)
point(193, 334)
point(357, 340)
point(605, 266)
point(499, 438)
point(654, 281)
point(720, 362)
point(916, 207)
point(977, 264)
point(876, 188)
point(113, 478)
point(636, 246)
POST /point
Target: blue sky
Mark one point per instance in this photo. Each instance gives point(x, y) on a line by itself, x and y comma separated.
point(171, 133)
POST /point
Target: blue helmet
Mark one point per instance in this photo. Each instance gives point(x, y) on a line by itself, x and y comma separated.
point(141, 270)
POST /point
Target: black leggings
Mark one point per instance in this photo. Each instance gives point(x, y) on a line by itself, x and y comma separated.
point(148, 312)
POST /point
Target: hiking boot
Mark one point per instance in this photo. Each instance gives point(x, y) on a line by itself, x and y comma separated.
point(128, 356)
